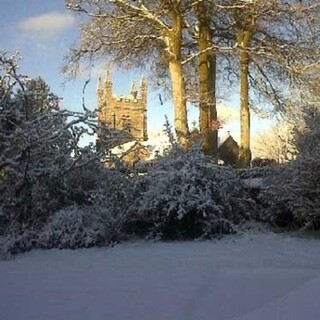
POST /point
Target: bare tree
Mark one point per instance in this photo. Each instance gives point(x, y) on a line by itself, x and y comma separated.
point(275, 143)
point(207, 81)
point(245, 24)
point(273, 41)
point(135, 33)
point(38, 144)
point(277, 42)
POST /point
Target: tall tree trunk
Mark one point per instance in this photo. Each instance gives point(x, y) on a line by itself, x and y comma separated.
point(179, 102)
point(207, 83)
point(244, 38)
point(245, 152)
point(174, 42)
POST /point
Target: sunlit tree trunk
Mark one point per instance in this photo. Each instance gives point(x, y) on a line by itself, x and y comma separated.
point(179, 102)
point(244, 37)
point(174, 39)
point(207, 81)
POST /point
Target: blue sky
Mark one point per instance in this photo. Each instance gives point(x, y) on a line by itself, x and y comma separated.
point(43, 30)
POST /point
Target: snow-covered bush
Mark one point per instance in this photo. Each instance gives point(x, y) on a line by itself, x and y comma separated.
point(110, 201)
point(100, 222)
point(69, 228)
point(292, 198)
point(72, 228)
point(2, 222)
point(16, 242)
point(256, 172)
point(39, 151)
point(188, 196)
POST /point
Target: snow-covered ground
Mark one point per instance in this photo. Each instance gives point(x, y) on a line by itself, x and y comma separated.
point(258, 277)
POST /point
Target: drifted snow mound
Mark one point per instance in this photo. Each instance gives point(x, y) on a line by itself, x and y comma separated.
point(254, 277)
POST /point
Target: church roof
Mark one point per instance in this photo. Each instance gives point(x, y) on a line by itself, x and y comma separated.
point(157, 145)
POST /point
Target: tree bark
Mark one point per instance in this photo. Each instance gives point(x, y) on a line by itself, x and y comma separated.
point(174, 42)
point(244, 38)
point(245, 152)
point(179, 102)
point(207, 85)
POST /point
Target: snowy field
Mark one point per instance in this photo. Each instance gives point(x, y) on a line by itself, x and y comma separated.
point(253, 277)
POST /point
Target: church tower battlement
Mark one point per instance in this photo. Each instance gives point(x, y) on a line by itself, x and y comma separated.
point(120, 113)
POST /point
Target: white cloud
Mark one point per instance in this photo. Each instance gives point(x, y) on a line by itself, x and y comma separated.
point(46, 26)
point(227, 114)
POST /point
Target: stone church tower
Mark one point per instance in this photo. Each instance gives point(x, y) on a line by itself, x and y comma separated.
point(123, 114)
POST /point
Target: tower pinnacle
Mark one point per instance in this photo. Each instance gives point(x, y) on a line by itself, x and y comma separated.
point(143, 82)
point(108, 80)
point(133, 91)
point(143, 89)
point(99, 87)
